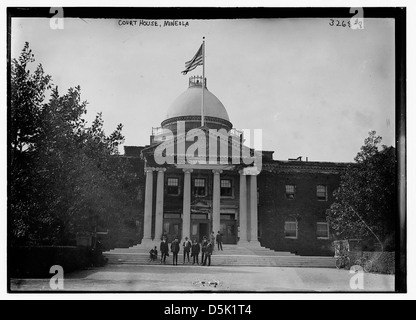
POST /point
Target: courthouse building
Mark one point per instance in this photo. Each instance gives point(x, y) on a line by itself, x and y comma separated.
point(280, 205)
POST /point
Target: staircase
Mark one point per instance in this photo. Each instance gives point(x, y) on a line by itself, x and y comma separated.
point(232, 255)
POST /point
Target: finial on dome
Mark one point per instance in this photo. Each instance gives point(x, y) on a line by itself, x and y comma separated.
point(196, 81)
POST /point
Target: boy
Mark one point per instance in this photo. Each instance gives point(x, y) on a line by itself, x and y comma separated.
point(153, 254)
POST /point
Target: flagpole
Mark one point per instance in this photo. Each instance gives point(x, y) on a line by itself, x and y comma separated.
point(203, 82)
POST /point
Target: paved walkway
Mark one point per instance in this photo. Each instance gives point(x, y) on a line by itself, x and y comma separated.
point(187, 278)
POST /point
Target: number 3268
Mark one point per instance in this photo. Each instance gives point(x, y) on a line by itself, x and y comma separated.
point(339, 23)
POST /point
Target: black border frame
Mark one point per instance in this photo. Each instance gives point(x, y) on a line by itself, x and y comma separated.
point(178, 13)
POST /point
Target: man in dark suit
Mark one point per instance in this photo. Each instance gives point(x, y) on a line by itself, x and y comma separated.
point(203, 248)
point(195, 252)
point(212, 238)
point(164, 250)
point(208, 253)
point(175, 247)
point(186, 249)
point(219, 240)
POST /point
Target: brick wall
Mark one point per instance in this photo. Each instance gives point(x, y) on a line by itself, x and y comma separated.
point(275, 209)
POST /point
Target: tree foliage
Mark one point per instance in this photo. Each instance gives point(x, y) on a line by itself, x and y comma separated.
point(64, 176)
point(365, 206)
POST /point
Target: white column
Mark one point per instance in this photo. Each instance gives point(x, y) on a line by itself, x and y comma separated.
point(186, 216)
point(159, 203)
point(148, 203)
point(216, 206)
point(243, 207)
point(253, 210)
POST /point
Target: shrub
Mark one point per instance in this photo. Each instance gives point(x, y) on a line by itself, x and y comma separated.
point(383, 262)
point(36, 261)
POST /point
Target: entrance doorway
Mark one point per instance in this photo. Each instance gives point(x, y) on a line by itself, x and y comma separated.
point(203, 230)
point(172, 228)
point(199, 230)
point(228, 231)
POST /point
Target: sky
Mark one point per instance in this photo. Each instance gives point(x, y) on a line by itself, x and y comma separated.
point(314, 89)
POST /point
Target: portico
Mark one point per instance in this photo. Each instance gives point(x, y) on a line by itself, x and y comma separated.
point(246, 211)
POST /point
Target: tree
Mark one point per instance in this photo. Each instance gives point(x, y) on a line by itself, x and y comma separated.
point(365, 203)
point(65, 176)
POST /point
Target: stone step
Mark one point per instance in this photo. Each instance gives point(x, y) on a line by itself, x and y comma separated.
point(216, 252)
point(228, 250)
point(311, 264)
point(232, 255)
point(226, 258)
point(146, 255)
point(234, 259)
point(321, 262)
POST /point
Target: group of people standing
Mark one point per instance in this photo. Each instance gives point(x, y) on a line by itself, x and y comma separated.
point(190, 249)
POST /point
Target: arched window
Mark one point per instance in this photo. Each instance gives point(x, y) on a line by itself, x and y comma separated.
point(291, 228)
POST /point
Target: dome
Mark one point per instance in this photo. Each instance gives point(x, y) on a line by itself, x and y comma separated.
point(189, 103)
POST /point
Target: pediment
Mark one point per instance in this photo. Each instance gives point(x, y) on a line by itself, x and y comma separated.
point(235, 149)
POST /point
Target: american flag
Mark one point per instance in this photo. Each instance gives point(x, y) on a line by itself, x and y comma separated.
point(197, 60)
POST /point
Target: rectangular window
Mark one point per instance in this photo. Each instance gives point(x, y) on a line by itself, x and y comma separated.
point(199, 187)
point(171, 215)
point(194, 229)
point(176, 232)
point(197, 216)
point(226, 188)
point(227, 216)
point(173, 186)
point(291, 229)
point(166, 227)
point(321, 193)
point(290, 191)
point(322, 230)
